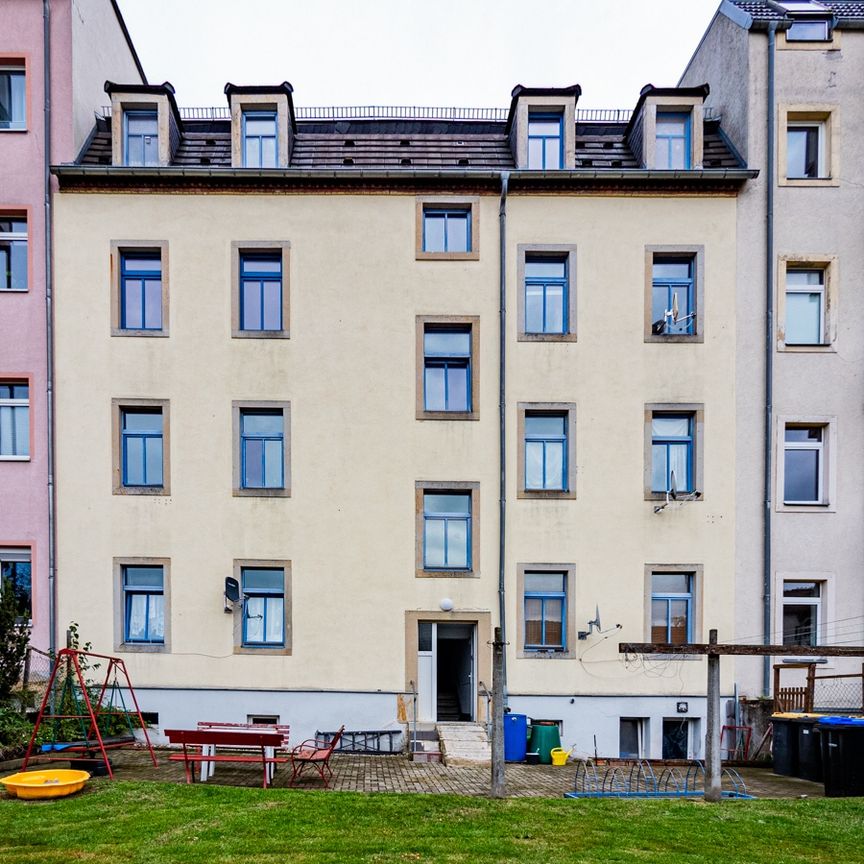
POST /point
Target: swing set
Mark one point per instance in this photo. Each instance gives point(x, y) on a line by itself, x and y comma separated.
point(69, 699)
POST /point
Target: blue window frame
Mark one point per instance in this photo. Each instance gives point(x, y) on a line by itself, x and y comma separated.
point(259, 139)
point(546, 451)
point(671, 607)
point(545, 140)
point(14, 420)
point(141, 137)
point(263, 607)
point(546, 294)
point(16, 576)
point(447, 229)
point(140, 291)
point(262, 449)
point(673, 140)
point(13, 253)
point(261, 291)
point(447, 530)
point(142, 446)
point(144, 604)
point(673, 299)
point(545, 611)
point(671, 452)
point(447, 369)
point(13, 112)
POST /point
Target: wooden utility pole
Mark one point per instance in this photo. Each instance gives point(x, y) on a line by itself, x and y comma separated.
point(713, 726)
point(498, 787)
point(715, 651)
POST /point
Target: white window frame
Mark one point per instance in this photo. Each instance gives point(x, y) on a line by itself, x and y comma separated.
point(803, 601)
point(20, 555)
point(18, 403)
point(808, 289)
point(820, 448)
point(819, 125)
point(17, 237)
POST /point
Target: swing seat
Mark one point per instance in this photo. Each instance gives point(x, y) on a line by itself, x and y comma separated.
point(79, 746)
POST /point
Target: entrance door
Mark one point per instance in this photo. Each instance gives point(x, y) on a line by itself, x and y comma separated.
point(446, 671)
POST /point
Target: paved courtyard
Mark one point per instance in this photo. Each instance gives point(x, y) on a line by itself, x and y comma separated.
point(399, 774)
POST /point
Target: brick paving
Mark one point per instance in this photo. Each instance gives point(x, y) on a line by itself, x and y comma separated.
point(399, 774)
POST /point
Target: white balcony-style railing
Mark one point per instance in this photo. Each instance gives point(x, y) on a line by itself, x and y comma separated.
point(411, 112)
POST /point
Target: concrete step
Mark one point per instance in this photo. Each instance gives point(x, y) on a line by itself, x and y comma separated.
point(464, 743)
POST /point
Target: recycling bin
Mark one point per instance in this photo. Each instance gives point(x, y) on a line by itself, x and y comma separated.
point(515, 737)
point(842, 740)
point(545, 737)
point(809, 747)
point(784, 748)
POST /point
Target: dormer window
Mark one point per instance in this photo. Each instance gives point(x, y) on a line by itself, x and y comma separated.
point(545, 141)
point(141, 138)
point(809, 31)
point(672, 140)
point(259, 139)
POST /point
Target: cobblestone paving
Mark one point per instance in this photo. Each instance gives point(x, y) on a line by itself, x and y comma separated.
point(398, 774)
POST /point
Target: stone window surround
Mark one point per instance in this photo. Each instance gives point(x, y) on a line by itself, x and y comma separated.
point(274, 564)
point(469, 203)
point(697, 409)
point(829, 462)
point(696, 603)
point(239, 406)
point(569, 410)
point(121, 103)
point(828, 264)
point(682, 250)
point(120, 606)
point(472, 321)
point(117, 406)
point(545, 104)
point(278, 102)
point(828, 115)
point(22, 59)
point(240, 246)
point(567, 250)
point(118, 247)
point(570, 611)
point(422, 486)
point(692, 105)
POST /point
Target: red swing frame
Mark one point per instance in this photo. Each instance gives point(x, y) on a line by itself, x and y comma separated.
point(115, 666)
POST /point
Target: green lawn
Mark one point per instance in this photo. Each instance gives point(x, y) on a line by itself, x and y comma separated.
point(140, 823)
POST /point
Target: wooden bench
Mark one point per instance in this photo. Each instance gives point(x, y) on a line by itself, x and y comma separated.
point(315, 753)
point(254, 742)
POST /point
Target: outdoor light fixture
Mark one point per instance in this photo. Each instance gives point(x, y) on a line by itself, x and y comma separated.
point(682, 707)
point(446, 605)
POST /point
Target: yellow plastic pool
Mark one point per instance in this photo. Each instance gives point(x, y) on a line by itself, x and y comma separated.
point(45, 784)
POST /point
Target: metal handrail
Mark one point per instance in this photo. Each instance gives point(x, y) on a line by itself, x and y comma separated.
point(411, 112)
point(484, 691)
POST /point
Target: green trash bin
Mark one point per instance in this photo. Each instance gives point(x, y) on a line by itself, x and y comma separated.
point(545, 737)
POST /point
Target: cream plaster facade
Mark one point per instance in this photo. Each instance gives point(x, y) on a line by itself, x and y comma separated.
point(358, 448)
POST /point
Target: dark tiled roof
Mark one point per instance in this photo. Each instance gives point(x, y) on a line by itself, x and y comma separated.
point(764, 11)
point(323, 145)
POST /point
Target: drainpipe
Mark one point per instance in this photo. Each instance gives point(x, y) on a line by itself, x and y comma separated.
point(769, 361)
point(49, 329)
point(502, 448)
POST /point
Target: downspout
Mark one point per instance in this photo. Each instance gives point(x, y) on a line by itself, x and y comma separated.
point(502, 448)
point(769, 361)
point(49, 330)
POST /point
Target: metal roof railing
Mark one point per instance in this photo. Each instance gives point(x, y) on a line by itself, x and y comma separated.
point(412, 112)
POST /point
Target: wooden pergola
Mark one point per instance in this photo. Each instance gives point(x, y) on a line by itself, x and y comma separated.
point(714, 651)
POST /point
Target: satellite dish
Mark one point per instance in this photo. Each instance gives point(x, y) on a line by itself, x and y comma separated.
point(597, 617)
point(232, 589)
point(675, 307)
point(673, 486)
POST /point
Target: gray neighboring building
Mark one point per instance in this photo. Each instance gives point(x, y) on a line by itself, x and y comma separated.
point(786, 78)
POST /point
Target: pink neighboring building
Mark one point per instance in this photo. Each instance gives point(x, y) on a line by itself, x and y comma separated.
point(87, 45)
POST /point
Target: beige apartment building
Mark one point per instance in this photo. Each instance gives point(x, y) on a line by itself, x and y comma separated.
point(786, 78)
point(291, 354)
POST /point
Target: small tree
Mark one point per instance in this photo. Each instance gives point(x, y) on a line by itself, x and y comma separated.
point(14, 638)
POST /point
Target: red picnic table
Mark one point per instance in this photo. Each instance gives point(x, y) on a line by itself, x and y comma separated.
point(255, 743)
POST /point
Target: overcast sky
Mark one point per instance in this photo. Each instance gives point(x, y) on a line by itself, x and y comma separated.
point(407, 52)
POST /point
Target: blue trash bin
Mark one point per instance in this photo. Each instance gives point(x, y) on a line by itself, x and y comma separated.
point(515, 737)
